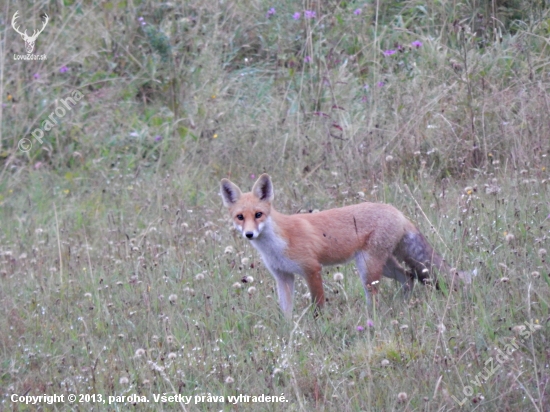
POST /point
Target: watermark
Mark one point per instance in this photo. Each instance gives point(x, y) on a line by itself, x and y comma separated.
point(29, 40)
point(502, 357)
point(66, 105)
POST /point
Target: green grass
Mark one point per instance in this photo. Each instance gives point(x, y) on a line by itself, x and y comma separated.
point(121, 274)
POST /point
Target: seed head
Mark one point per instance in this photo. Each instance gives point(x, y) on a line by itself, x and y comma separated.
point(338, 277)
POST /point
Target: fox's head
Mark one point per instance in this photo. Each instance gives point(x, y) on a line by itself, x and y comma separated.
point(249, 211)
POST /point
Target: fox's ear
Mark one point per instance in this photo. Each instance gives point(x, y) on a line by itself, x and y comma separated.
point(230, 192)
point(263, 188)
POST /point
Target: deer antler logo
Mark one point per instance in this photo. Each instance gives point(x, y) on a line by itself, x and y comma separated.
point(29, 40)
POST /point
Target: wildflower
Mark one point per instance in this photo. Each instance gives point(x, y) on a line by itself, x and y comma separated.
point(307, 59)
point(389, 52)
point(542, 252)
point(389, 158)
point(402, 397)
point(270, 12)
point(251, 290)
point(199, 276)
point(417, 44)
point(63, 69)
point(338, 276)
point(504, 280)
point(123, 380)
point(357, 12)
point(172, 355)
point(36, 76)
point(158, 138)
point(236, 285)
point(359, 328)
point(536, 274)
point(309, 14)
point(139, 353)
point(385, 362)
point(518, 329)
point(229, 250)
point(370, 323)
point(296, 16)
point(252, 176)
point(173, 298)
point(509, 237)
point(380, 84)
point(229, 380)
point(247, 279)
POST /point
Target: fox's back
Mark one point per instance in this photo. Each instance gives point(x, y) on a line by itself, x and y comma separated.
point(335, 235)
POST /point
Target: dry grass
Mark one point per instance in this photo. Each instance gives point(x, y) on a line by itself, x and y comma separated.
point(120, 273)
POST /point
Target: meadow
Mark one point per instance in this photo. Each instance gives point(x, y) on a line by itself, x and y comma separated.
point(122, 279)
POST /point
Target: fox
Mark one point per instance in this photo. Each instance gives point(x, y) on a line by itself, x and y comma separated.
point(378, 236)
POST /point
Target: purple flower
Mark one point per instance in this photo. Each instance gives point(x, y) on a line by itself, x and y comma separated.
point(380, 84)
point(416, 43)
point(359, 328)
point(63, 69)
point(389, 52)
point(309, 14)
point(307, 59)
point(141, 19)
point(296, 16)
point(252, 176)
point(36, 76)
point(357, 12)
point(270, 12)
point(370, 323)
point(158, 138)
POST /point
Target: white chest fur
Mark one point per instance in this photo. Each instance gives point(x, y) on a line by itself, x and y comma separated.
point(272, 248)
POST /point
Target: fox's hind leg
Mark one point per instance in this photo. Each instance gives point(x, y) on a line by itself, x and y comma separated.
point(370, 270)
point(394, 270)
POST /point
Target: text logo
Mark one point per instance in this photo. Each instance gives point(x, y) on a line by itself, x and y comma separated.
point(29, 40)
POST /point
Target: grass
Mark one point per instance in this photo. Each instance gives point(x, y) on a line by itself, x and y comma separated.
point(120, 271)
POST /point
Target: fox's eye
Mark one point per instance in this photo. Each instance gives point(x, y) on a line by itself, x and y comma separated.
point(258, 215)
point(240, 217)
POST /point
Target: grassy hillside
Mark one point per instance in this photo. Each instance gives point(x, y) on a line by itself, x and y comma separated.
point(120, 272)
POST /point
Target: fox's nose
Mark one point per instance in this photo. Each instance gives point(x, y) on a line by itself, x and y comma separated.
point(249, 235)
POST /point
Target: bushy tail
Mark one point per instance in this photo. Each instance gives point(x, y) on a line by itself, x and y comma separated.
point(421, 257)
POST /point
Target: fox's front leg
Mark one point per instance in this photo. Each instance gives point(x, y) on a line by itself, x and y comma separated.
point(285, 291)
point(312, 276)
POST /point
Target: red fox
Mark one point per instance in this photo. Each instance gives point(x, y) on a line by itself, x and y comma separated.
point(377, 236)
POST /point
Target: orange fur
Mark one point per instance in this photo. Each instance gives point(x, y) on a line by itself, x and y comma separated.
point(378, 236)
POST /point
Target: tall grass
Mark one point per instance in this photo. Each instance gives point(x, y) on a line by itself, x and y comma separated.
point(120, 273)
